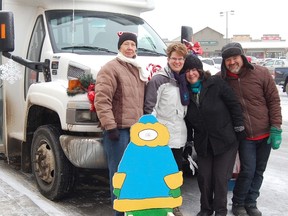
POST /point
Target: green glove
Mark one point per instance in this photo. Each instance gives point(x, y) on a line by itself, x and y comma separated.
point(116, 192)
point(275, 137)
point(175, 192)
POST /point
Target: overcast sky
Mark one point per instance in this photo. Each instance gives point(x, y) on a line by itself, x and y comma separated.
point(254, 17)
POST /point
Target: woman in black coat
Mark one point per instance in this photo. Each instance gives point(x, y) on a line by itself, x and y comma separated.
point(214, 120)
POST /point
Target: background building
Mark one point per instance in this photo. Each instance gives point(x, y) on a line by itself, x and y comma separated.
point(269, 46)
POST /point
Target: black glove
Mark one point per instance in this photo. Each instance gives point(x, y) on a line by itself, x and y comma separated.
point(240, 133)
point(113, 134)
point(187, 151)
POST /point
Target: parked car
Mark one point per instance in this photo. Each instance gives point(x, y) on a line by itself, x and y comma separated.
point(281, 77)
point(213, 70)
point(209, 61)
point(207, 65)
point(253, 60)
point(272, 64)
point(263, 61)
point(217, 62)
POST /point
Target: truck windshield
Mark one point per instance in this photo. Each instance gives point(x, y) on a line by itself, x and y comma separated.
point(94, 32)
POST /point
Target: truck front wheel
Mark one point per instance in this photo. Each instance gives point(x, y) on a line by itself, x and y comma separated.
point(54, 174)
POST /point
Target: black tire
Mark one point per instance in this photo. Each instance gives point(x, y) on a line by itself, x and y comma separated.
point(54, 174)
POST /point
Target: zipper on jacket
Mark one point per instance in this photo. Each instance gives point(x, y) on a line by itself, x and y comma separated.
point(244, 107)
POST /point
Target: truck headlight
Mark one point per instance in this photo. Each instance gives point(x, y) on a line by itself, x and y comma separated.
point(80, 116)
point(79, 113)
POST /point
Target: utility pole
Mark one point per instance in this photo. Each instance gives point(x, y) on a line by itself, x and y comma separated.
point(231, 12)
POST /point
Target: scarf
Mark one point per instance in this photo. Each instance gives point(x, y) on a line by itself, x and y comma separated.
point(184, 93)
point(142, 74)
point(196, 87)
point(230, 74)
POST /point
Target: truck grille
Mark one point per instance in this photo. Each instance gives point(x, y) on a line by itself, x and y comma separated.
point(75, 72)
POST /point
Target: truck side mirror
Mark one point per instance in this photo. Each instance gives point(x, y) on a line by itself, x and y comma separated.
point(6, 31)
point(186, 33)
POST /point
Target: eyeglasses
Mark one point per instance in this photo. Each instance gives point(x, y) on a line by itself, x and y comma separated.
point(177, 59)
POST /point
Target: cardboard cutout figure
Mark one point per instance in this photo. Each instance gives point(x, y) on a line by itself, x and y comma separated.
point(148, 180)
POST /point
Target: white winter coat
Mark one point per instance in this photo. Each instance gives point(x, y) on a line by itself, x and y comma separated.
point(162, 99)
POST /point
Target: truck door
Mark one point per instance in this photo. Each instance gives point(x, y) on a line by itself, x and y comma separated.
point(34, 52)
point(1, 103)
point(1, 114)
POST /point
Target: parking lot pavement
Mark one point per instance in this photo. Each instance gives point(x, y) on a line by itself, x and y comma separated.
point(15, 203)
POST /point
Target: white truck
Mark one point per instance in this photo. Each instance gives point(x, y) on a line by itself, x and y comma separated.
point(52, 132)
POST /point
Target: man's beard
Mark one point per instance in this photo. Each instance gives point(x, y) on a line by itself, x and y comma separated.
point(235, 70)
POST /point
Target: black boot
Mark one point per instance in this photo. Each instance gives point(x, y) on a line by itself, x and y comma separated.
point(252, 210)
point(239, 210)
point(204, 213)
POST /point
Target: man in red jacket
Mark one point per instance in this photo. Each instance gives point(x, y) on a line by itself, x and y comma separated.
point(259, 97)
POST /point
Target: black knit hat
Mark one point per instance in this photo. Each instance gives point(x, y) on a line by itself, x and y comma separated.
point(234, 49)
point(123, 36)
point(191, 62)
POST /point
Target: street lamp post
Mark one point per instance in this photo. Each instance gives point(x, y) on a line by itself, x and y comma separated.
point(231, 12)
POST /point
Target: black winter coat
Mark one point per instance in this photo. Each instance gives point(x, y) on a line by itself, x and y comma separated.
point(214, 118)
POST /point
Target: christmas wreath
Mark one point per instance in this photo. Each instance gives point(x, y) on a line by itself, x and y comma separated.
point(82, 85)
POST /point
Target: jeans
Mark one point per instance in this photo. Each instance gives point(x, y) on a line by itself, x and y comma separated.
point(253, 156)
point(114, 152)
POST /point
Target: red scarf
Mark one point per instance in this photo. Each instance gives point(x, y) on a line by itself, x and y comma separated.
point(230, 74)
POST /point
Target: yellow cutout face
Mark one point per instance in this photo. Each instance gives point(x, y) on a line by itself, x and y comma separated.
point(148, 134)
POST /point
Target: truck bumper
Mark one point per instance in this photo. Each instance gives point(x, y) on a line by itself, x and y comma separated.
point(84, 152)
